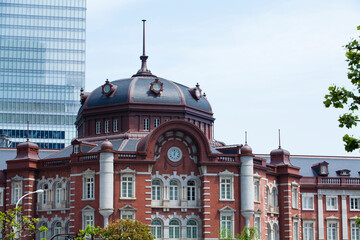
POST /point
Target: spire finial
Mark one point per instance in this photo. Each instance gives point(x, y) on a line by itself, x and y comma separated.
point(27, 131)
point(245, 137)
point(279, 140)
point(143, 71)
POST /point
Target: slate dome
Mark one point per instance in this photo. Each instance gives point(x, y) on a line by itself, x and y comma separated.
point(137, 90)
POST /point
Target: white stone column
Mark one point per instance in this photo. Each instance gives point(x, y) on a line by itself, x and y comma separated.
point(344, 218)
point(106, 185)
point(320, 217)
point(247, 188)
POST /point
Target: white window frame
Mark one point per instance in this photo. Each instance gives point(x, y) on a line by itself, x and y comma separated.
point(174, 190)
point(328, 228)
point(257, 225)
point(332, 203)
point(295, 196)
point(191, 191)
point(156, 122)
point(227, 212)
point(130, 214)
point(157, 229)
point(256, 190)
point(308, 202)
point(192, 230)
point(76, 148)
point(107, 126)
point(88, 185)
point(306, 229)
point(58, 193)
point(226, 187)
point(323, 169)
point(274, 196)
point(156, 190)
point(1, 196)
point(295, 230)
point(43, 235)
point(354, 231)
point(146, 124)
point(98, 127)
point(175, 229)
point(127, 186)
point(57, 229)
point(88, 216)
point(16, 191)
point(354, 202)
point(116, 125)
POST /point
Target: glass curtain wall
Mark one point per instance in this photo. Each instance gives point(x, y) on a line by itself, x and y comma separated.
point(42, 69)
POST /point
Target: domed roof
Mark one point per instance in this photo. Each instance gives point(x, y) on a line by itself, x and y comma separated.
point(137, 90)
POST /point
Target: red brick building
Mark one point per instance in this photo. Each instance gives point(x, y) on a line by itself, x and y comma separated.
point(145, 150)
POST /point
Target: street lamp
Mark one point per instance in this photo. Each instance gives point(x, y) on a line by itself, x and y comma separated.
point(17, 203)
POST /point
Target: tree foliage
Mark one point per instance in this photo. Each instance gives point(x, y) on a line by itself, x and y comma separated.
point(340, 97)
point(14, 225)
point(123, 229)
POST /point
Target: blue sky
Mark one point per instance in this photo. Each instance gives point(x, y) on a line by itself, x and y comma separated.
point(263, 65)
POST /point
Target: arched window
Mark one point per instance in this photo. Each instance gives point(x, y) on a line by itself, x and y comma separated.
point(191, 229)
point(191, 191)
point(58, 193)
point(276, 232)
point(174, 190)
point(156, 190)
point(57, 229)
point(44, 195)
point(156, 228)
point(43, 234)
point(274, 197)
point(268, 196)
point(174, 229)
point(269, 232)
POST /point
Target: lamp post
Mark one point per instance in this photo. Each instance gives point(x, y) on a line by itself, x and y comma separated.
point(17, 204)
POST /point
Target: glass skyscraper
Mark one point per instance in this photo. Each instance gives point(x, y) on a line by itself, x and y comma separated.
point(42, 69)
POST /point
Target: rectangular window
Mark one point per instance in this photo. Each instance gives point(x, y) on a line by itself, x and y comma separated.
point(226, 229)
point(257, 190)
point(146, 124)
point(156, 122)
point(295, 193)
point(257, 226)
point(98, 127)
point(308, 230)
point(1, 196)
point(88, 219)
point(128, 214)
point(16, 191)
point(295, 230)
point(226, 188)
point(89, 188)
point(107, 126)
point(355, 203)
point(127, 186)
point(308, 203)
point(332, 231)
point(331, 203)
point(116, 125)
point(355, 231)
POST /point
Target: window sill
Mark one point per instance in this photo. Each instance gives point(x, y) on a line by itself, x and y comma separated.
point(127, 198)
point(227, 200)
point(332, 210)
point(308, 209)
point(87, 199)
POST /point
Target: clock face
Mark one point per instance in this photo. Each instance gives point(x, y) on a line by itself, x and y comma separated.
point(174, 154)
point(107, 88)
point(156, 86)
point(197, 93)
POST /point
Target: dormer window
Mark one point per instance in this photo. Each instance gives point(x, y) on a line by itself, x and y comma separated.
point(343, 172)
point(76, 148)
point(321, 169)
point(196, 92)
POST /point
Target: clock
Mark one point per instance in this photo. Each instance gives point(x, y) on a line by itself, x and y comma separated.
point(107, 88)
point(197, 93)
point(157, 86)
point(174, 154)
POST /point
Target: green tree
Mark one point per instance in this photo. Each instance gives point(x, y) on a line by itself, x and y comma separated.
point(340, 97)
point(14, 225)
point(124, 229)
point(90, 232)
